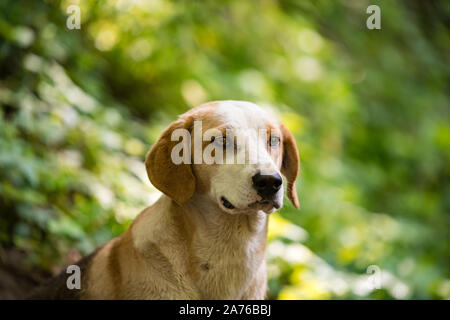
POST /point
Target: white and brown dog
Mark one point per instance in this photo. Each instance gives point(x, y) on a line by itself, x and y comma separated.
point(205, 237)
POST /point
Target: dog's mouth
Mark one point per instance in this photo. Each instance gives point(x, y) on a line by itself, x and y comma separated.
point(261, 204)
point(227, 204)
point(265, 203)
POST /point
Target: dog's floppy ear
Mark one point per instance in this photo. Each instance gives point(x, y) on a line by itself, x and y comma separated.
point(290, 165)
point(175, 180)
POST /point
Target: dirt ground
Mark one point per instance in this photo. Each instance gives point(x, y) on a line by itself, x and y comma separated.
point(16, 281)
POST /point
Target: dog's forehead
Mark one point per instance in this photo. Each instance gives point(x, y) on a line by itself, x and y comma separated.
point(241, 115)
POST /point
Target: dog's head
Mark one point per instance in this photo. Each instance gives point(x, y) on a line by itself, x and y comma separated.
point(231, 151)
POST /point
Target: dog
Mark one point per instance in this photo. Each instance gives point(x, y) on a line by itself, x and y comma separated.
point(205, 237)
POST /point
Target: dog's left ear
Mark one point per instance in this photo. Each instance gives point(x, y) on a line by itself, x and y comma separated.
point(290, 165)
point(175, 180)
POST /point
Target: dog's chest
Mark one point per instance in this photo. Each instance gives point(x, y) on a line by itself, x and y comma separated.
point(226, 267)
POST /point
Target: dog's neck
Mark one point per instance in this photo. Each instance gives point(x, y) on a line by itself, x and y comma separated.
point(230, 247)
point(199, 219)
point(211, 246)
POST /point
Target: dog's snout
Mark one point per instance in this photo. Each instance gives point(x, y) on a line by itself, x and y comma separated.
point(267, 185)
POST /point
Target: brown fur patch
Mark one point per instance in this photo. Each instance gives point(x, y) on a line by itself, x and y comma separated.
point(291, 164)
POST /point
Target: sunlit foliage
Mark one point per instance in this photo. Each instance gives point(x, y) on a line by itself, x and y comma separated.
point(369, 110)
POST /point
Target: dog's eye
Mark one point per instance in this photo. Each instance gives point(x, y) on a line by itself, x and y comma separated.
point(221, 141)
point(274, 141)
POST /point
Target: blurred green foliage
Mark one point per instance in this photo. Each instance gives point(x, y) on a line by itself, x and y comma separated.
point(369, 109)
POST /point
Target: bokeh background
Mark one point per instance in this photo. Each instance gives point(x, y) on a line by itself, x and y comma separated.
point(369, 110)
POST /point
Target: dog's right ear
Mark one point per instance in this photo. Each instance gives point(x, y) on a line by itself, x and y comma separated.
point(175, 180)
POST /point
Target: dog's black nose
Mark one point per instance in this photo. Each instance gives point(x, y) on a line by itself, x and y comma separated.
point(267, 185)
